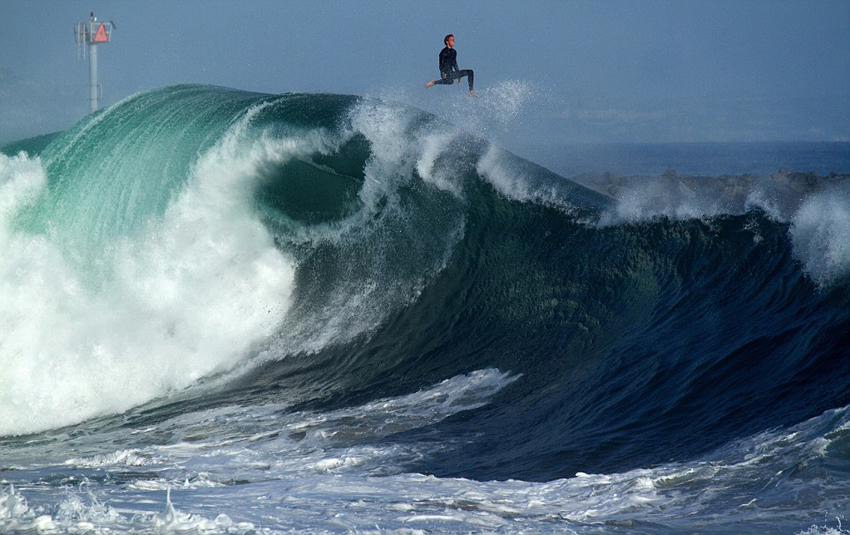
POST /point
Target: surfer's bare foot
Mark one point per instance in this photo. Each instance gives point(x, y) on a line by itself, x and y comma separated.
point(430, 84)
point(473, 94)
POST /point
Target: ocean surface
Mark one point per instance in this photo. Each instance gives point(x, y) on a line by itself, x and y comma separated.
point(695, 159)
point(231, 312)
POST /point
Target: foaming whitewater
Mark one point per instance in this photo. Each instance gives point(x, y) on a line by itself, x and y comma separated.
point(185, 296)
point(820, 229)
point(815, 207)
point(231, 312)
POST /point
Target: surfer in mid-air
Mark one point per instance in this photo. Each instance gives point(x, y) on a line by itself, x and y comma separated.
point(449, 71)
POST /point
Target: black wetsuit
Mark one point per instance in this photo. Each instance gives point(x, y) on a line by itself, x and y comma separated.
point(449, 71)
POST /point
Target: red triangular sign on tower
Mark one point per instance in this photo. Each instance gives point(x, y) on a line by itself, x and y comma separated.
point(100, 36)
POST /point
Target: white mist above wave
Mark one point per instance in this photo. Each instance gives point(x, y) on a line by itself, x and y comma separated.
point(821, 234)
point(500, 170)
point(498, 108)
point(817, 209)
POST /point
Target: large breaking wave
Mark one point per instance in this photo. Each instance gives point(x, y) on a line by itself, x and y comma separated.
point(195, 247)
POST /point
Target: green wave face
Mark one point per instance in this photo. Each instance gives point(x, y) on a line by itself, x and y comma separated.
point(117, 169)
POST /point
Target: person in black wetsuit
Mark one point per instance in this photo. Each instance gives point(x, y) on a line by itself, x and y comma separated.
point(449, 71)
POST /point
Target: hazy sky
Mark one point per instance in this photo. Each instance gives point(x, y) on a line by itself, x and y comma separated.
point(598, 71)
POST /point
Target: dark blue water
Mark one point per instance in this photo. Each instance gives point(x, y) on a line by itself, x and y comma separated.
point(700, 159)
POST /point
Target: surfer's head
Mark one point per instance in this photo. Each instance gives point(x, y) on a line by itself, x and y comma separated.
point(449, 40)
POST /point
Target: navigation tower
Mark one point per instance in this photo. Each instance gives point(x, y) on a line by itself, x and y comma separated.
point(92, 33)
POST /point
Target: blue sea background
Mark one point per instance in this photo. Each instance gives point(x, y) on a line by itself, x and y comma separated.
point(692, 159)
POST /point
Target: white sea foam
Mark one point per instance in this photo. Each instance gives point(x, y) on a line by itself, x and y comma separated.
point(819, 214)
point(187, 297)
point(655, 198)
point(200, 287)
point(497, 107)
point(12, 504)
point(505, 101)
point(502, 171)
point(125, 457)
point(433, 146)
point(82, 512)
point(821, 234)
point(329, 484)
point(317, 467)
point(640, 199)
point(21, 180)
point(378, 244)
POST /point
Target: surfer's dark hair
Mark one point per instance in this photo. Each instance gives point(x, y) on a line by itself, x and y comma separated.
point(446, 38)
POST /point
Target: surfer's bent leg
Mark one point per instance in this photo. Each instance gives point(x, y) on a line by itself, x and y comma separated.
point(450, 77)
point(469, 74)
